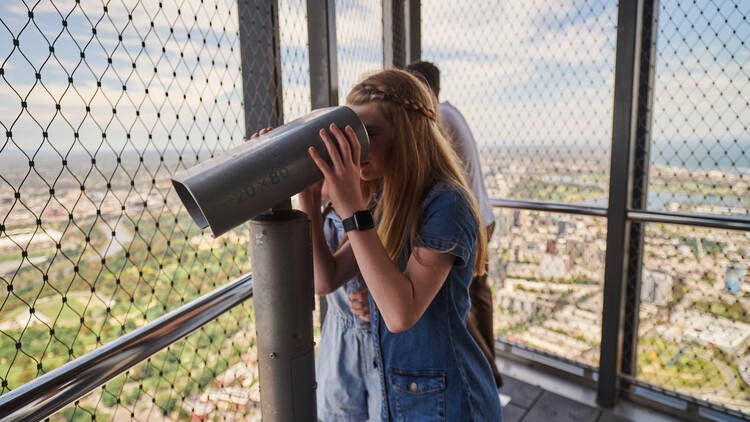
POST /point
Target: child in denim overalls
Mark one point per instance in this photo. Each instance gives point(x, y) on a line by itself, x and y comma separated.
point(419, 262)
point(348, 382)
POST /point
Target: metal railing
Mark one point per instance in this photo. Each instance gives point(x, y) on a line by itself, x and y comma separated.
point(45, 395)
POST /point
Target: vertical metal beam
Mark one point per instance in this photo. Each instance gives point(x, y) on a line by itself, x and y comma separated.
point(321, 27)
point(394, 34)
point(639, 198)
point(413, 30)
point(283, 288)
point(324, 80)
point(261, 64)
point(624, 124)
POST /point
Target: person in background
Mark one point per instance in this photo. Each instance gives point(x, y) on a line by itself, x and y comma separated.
point(480, 321)
point(418, 261)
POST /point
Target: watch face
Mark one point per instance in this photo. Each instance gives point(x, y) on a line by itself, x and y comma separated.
point(364, 220)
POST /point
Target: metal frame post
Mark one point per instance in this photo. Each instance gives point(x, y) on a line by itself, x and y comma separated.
point(413, 30)
point(394, 49)
point(321, 27)
point(625, 122)
point(324, 80)
point(402, 40)
point(639, 197)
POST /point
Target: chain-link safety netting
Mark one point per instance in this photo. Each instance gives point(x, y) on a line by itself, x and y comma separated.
point(700, 150)
point(694, 316)
point(546, 274)
point(359, 41)
point(534, 80)
point(102, 102)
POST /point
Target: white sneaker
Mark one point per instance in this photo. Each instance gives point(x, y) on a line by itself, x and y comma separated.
point(504, 400)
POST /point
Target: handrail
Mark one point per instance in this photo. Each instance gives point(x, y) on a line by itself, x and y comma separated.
point(43, 396)
point(558, 207)
point(636, 215)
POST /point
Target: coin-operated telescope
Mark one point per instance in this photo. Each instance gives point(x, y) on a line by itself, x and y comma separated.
point(226, 191)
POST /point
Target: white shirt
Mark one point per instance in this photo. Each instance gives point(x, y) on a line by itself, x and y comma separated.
point(466, 148)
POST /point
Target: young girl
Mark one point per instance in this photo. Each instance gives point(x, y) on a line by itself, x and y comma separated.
point(419, 263)
point(348, 383)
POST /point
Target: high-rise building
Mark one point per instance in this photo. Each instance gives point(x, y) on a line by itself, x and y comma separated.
point(656, 287)
point(733, 276)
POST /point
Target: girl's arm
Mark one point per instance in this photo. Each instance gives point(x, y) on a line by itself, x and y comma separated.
point(402, 297)
point(330, 270)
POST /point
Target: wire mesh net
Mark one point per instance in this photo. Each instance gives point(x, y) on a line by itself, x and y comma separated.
point(547, 277)
point(700, 159)
point(694, 316)
point(359, 41)
point(295, 58)
point(534, 80)
point(102, 103)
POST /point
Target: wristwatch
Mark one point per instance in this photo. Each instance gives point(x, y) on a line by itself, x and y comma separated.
point(360, 220)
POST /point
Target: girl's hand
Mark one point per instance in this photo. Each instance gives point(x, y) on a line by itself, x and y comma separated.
point(360, 305)
point(310, 199)
point(262, 132)
point(342, 178)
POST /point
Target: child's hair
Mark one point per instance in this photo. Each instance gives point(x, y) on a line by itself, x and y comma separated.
point(421, 156)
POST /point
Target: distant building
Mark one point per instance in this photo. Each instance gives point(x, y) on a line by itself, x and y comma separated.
point(552, 267)
point(552, 246)
point(656, 287)
point(733, 276)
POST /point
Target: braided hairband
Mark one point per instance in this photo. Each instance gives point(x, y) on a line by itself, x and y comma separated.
point(404, 102)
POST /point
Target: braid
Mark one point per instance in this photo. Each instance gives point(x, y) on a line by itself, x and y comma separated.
point(376, 93)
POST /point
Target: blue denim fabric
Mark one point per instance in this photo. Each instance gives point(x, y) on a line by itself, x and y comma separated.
point(435, 371)
point(348, 382)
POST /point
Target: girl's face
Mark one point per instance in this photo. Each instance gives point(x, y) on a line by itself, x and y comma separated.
point(374, 165)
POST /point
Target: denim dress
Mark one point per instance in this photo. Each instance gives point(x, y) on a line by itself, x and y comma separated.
point(348, 382)
point(435, 371)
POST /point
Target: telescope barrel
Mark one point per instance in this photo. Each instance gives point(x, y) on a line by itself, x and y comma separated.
point(226, 191)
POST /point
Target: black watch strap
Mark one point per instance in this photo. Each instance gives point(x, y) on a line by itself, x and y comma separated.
point(360, 220)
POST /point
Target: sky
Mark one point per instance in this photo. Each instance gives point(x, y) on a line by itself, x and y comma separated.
point(532, 74)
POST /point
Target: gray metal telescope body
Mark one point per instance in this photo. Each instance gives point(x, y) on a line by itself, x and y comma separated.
point(226, 191)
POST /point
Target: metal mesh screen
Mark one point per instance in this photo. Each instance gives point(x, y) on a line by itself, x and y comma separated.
point(359, 41)
point(295, 58)
point(534, 80)
point(103, 102)
point(700, 159)
point(695, 313)
point(547, 281)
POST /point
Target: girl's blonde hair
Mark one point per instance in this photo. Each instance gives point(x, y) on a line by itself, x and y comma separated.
point(421, 156)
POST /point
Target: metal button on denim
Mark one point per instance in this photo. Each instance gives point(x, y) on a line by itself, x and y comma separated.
point(413, 387)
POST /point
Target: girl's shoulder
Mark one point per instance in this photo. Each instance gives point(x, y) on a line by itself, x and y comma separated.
point(444, 193)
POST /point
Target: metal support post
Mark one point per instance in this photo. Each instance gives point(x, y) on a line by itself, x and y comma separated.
point(394, 48)
point(321, 28)
point(281, 252)
point(639, 197)
point(324, 81)
point(413, 30)
point(401, 32)
point(627, 101)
